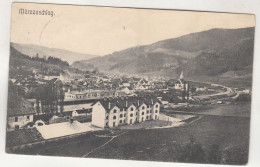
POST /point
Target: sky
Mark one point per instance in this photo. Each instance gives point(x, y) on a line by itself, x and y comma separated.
point(104, 30)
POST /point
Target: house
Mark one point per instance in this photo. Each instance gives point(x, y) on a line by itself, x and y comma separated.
point(51, 76)
point(125, 84)
point(124, 111)
point(142, 85)
point(92, 94)
point(20, 116)
point(127, 90)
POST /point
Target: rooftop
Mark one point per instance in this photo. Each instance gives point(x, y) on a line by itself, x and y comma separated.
point(125, 102)
point(21, 107)
point(22, 136)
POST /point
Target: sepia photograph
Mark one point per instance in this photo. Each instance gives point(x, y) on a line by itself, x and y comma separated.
point(130, 83)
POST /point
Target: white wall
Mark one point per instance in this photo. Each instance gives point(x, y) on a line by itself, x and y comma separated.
point(140, 116)
point(98, 115)
point(154, 109)
point(111, 115)
point(22, 120)
point(129, 112)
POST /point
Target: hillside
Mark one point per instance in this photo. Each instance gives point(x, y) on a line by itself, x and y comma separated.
point(18, 60)
point(234, 58)
point(169, 57)
point(33, 50)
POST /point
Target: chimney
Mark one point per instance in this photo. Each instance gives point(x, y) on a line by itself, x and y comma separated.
point(126, 103)
point(152, 101)
point(109, 105)
point(71, 120)
point(137, 102)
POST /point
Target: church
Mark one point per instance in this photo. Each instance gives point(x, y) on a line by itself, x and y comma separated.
point(182, 85)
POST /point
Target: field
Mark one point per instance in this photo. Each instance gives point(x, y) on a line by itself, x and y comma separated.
point(244, 81)
point(241, 109)
point(211, 139)
point(163, 144)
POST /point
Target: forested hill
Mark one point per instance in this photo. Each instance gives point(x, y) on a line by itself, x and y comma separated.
point(41, 51)
point(211, 52)
point(19, 59)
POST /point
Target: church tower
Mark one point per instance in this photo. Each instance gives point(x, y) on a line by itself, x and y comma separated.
point(181, 76)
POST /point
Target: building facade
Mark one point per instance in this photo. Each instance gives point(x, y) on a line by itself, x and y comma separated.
point(19, 121)
point(92, 94)
point(124, 111)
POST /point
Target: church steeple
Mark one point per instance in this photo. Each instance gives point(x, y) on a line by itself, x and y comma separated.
point(181, 76)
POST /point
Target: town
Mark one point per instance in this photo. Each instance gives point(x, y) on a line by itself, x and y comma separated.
point(48, 99)
point(78, 91)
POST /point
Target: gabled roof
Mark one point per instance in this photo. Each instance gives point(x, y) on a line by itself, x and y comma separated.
point(126, 102)
point(21, 107)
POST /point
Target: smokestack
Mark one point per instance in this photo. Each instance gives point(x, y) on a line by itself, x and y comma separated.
point(109, 105)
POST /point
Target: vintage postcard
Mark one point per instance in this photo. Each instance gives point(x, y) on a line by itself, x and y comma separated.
point(131, 84)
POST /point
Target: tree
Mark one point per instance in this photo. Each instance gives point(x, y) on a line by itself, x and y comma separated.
point(191, 152)
point(48, 96)
point(37, 106)
point(214, 154)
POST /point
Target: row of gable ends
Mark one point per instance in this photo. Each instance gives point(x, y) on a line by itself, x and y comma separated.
point(126, 102)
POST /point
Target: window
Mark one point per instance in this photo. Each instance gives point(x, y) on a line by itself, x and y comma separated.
point(156, 111)
point(143, 108)
point(15, 119)
point(131, 115)
point(142, 113)
point(156, 106)
point(114, 117)
point(114, 110)
point(132, 109)
point(16, 127)
point(121, 115)
point(136, 113)
point(147, 112)
point(107, 117)
point(120, 121)
point(107, 124)
point(147, 117)
point(27, 117)
point(124, 115)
